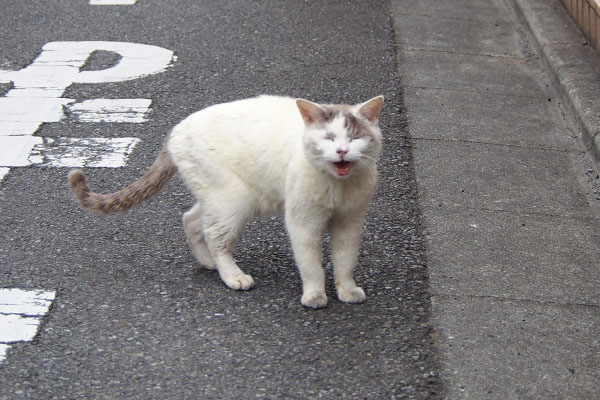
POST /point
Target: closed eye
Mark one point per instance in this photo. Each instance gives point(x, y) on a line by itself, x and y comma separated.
point(360, 137)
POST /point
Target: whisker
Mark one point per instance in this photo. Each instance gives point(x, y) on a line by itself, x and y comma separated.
point(366, 164)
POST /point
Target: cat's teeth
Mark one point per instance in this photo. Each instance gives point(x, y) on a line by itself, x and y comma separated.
point(342, 168)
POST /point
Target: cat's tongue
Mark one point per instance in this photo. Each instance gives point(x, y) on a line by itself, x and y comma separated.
point(342, 168)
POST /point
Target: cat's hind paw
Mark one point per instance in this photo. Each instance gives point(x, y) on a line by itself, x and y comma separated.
point(354, 295)
point(314, 300)
point(240, 282)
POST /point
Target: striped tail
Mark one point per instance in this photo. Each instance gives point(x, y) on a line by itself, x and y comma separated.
point(147, 186)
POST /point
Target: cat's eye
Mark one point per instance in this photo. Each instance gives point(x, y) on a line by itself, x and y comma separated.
point(330, 136)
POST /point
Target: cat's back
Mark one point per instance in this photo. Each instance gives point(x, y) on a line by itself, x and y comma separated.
point(252, 137)
point(257, 123)
point(250, 119)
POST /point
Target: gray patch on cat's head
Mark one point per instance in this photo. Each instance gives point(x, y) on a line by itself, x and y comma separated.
point(356, 127)
point(332, 111)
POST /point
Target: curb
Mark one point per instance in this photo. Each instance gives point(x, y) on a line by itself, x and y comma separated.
point(571, 62)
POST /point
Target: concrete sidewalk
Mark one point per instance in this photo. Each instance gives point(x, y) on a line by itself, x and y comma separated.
point(501, 105)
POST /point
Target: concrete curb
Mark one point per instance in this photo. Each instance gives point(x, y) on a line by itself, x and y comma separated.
point(576, 67)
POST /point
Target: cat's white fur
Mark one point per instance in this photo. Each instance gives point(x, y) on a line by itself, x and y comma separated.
point(276, 155)
point(258, 157)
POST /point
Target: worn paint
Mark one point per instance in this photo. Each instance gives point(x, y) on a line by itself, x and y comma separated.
point(20, 315)
point(21, 151)
point(35, 98)
point(112, 110)
point(83, 152)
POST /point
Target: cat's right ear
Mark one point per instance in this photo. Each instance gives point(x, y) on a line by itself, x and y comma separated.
point(311, 112)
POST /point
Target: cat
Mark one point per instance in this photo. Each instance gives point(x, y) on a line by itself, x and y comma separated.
point(313, 163)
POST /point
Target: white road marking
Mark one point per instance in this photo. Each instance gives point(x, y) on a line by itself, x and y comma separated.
point(20, 151)
point(112, 2)
point(112, 110)
point(3, 172)
point(3, 351)
point(36, 99)
point(18, 128)
point(88, 152)
point(58, 66)
point(20, 315)
point(30, 109)
point(14, 328)
point(15, 150)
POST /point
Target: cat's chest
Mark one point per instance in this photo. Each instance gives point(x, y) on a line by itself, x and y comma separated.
point(309, 192)
point(348, 197)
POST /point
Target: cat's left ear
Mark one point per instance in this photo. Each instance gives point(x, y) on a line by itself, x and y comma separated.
point(311, 112)
point(370, 109)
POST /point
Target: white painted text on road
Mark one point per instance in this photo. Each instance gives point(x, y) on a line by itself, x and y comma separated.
point(37, 89)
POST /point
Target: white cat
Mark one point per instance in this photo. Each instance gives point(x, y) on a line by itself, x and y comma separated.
point(262, 156)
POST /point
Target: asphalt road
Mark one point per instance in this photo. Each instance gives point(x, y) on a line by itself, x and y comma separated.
point(134, 316)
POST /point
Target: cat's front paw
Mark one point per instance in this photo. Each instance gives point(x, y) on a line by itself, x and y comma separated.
point(240, 282)
point(314, 300)
point(354, 295)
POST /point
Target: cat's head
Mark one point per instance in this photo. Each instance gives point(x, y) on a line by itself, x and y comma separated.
point(342, 139)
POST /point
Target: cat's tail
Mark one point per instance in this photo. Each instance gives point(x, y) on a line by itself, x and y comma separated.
point(147, 186)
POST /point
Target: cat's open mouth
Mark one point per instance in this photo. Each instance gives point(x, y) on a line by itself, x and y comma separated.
point(342, 168)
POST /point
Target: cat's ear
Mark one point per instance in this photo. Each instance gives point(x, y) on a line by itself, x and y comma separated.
point(370, 109)
point(311, 112)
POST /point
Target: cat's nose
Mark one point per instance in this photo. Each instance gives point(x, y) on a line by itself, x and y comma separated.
point(342, 152)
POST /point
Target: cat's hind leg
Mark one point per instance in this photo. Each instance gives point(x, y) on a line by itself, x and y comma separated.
point(192, 225)
point(223, 223)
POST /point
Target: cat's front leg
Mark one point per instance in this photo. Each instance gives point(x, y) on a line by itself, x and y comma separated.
point(345, 240)
point(306, 235)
